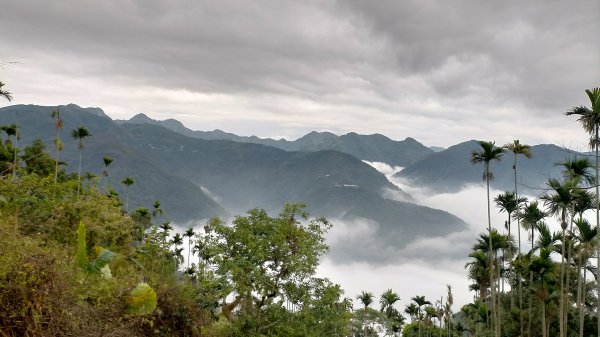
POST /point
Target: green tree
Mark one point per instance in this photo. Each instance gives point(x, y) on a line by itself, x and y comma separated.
point(13, 130)
point(588, 239)
point(559, 200)
point(590, 120)
point(107, 161)
point(509, 203)
point(80, 134)
point(166, 228)
point(518, 149)
point(531, 217)
point(37, 160)
point(156, 210)
point(478, 271)
point(127, 181)
point(366, 298)
point(544, 283)
point(412, 310)
point(387, 301)
point(5, 94)
point(488, 153)
point(420, 301)
point(261, 260)
point(189, 233)
point(58, 125)
point(142, 218)
point(176, 242)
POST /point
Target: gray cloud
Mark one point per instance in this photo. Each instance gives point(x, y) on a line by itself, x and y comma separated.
point(437, 71)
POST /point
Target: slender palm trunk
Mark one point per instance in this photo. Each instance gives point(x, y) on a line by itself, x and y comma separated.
point(530, 309)
point(57, 144)
point(79, 173)
point(14, 171)
point(583, 293)
point(492, 283)
point(518, 278)
point(598, 227)
point(189, 250)
point(568, 274)
point(127, 200)
point(561, 300)
point(510, 273)
point(544, 332)
point(579, 307)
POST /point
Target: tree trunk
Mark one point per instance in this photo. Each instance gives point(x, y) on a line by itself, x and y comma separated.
point(14, 171)
point(530, 296)
point(57, 144)
point(79, 174)
point(493, 292)
point(581, 310)
point(519, 235)
point(561, 300)
point(579, 307)
point(568, 274)
point(544, 332)
point(598, 227)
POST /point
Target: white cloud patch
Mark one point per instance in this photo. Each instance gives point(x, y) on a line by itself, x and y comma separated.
point(425, 265)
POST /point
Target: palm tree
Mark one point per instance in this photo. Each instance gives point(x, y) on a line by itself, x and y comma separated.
point(80, 133)
point(509, 203)
point(197, 249)
point(3, 93)
point(420, 301)
point(58, 125)
point(478, 312)
point(479, 272)
point(189, 233)
point(156, 211)
point(530, 218)
point(499, 242)
point(488, 153)
point(13, 130)
point(176, 242)
point(178, 257)
point(412, 310)
point(448, 308)
point(107, 161)
point(166, 228)
point(590, 120)
point(518, 149)
point(559, 202)
point(366, 298)
point(128, 181)
point(387, 301)
point(142, 216)
point(580, 169)
point(587, 238)
point(542, 267)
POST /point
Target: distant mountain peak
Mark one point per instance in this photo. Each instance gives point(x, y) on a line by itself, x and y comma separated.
point(141, 118)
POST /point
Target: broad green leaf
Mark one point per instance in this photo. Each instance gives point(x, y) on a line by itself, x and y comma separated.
point(141, 300)
point(101, 261)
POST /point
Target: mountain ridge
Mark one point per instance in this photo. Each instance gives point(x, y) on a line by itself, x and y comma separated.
point(373, 147)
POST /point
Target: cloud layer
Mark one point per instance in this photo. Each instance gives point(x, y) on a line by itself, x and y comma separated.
point(437, 71)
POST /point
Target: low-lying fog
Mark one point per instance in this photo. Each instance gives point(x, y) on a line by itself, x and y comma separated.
point(358, 261)
point(426, 265)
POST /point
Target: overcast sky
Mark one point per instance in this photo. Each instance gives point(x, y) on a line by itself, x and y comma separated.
point(438, 71)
